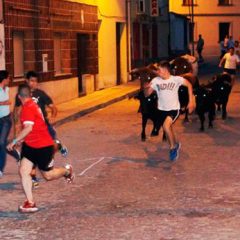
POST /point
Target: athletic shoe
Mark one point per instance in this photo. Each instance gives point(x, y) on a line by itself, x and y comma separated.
point(1, 174)
point(62, 149)
point(28, 207)
point(35, 182)
point(70, 176)
point(178, 146)
point(173, 154)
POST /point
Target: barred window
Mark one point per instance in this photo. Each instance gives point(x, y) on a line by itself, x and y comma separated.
point(141, 6)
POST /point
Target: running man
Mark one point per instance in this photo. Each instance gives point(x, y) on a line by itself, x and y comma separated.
point(44, 102)
point(37, 148)
point(167, 87)
point(230, 61)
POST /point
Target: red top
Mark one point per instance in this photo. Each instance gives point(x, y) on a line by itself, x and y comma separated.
point(39, 136)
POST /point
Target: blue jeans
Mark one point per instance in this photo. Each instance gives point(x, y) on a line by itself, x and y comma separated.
point(5, 126)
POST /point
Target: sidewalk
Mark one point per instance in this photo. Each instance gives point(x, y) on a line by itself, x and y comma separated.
point(83, 105)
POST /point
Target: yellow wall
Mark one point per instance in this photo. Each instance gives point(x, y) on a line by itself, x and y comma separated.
point(208, 23)
point(90, 2)
point(109, 13)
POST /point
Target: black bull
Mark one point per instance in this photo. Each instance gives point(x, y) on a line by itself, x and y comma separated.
point(219, 93)
point(148, 105)
point(215, 93)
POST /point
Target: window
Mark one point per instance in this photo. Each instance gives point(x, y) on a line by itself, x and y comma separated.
point(189, 2)
point(141, 6)
point(224, 2)
point(18, 54)
point(57, 53)
point(224, 28)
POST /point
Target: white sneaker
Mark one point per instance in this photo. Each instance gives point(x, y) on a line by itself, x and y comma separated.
point(70, 177)
point(1, 174)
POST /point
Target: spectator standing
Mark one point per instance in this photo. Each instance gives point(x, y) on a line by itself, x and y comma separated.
point(225, 42)
point(200, 45)
point(237, 48)
point(5, 117)
point(230, 42)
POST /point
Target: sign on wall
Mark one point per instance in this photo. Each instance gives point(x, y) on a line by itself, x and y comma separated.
point(2, 48)
point(154, 8)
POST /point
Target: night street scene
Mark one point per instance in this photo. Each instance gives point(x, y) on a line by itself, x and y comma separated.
point(119, 119)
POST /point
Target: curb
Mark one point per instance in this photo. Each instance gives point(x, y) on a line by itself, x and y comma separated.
point(86, 111)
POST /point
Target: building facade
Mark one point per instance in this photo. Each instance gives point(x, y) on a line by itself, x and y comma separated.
point(213, 19)
point(179, 34)
point(76, 47)
point(150, 31)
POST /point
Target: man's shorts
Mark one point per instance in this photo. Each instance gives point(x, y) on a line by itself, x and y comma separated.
point(173, 114)
point(230, 71)
point(40, 157)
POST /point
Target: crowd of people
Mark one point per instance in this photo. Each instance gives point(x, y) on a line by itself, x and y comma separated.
point(36, 137)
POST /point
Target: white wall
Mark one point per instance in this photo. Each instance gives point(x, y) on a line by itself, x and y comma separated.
point(207, 23)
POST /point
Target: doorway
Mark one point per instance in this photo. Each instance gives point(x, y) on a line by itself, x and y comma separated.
point(223, 30)
point(119, 30)
point(82, 50)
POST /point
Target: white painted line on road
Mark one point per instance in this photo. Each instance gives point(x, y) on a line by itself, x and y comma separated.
point(92, 165)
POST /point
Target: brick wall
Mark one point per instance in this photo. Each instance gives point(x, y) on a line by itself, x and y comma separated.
point(39, 20)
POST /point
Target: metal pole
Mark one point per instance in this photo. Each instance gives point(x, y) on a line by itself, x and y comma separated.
point(193, 27)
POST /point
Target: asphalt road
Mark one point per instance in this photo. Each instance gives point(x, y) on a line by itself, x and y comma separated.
point(127, 189)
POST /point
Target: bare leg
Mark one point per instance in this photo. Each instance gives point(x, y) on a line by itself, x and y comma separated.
point(233, 80)
point(168, 129)
point(33, 172)
point(25, 174)
point(55, 173)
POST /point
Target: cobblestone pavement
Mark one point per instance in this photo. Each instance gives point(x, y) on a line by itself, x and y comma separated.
point(126, 189)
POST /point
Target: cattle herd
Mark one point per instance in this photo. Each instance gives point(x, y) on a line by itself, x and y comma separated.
point(209, 97)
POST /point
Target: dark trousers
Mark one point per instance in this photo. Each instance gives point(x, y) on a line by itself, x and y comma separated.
point(199, 50)
point(5, 126)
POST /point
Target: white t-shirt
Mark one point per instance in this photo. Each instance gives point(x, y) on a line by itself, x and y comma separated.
point(231, 61)
point(4, 96)
point(167, 91)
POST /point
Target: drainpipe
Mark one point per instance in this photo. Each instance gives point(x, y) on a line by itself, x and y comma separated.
point(128, 28)
point(192, 27)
